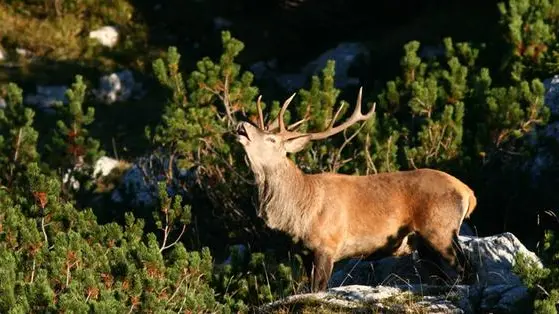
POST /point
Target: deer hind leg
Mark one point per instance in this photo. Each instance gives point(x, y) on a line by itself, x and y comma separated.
point(465, 268)
point(444, 243)
point(323, 264)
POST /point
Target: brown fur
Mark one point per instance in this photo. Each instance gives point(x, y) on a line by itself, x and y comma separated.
point(339, 216)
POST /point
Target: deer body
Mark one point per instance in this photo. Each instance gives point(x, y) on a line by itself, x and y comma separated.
point(339, 216)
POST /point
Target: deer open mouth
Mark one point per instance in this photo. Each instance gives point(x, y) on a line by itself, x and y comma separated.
point(242, 132)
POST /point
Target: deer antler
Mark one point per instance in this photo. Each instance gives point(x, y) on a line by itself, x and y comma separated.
point(355, 117)
point(276, 122)
point(260, 115)
point(288, 132)
point(281, 124)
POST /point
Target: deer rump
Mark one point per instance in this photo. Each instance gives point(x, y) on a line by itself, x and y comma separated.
point(338, 216)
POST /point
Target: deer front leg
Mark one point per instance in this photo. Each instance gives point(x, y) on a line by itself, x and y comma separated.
point(323, 264)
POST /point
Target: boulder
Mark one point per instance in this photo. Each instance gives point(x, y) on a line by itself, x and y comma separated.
point(118, 86)
point(429, 51)
point(104, 166)
point(24, 52)
point(221, 23)
point(543, 140)
point(3, 55)
point(400, 285)
point(47, 96)
point(344, 54)
point(138, 185)
point(552, 93)
point(493, 258)
point(384, 299)
point(69, 180)
point(106, 35)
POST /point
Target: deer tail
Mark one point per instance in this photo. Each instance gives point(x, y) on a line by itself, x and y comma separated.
point(472, 202)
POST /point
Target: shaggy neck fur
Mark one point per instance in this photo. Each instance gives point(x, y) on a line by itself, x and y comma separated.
point(285, 197)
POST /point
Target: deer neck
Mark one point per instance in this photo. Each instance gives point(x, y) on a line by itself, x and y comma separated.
point(285, 197)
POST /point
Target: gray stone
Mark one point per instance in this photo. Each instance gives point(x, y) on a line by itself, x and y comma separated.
point(3, 103)
point(138, 185)
point(345, 55)
point(135, 189)
point(47, 96)
point(427, 51)
point(505, 299)
point(545, 157)
point(493, 258)
point(495, 287)
point(118, 86)
point(221, 23)
point(364, 298)
point(552, 93)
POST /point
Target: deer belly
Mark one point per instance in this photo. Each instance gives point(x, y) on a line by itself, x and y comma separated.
point(372, 245)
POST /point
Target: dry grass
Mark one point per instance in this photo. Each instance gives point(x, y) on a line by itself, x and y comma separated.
point(58, 43)
point(57, 38)
point(404, 302)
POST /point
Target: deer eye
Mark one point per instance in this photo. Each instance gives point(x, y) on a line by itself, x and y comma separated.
point(271, 139)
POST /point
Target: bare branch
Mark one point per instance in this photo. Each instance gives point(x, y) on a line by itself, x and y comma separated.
point(18, 144)
point(345, 143)
point(227, 102)
point(164, 247)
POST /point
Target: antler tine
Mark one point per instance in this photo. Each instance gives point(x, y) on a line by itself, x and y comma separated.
point(281, 124)
point(260, 115)
point(295, 125)
point(274, 125)
point(355, 117)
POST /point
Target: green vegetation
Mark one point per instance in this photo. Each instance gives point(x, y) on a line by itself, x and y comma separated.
point(542, 282)
point(476, 111)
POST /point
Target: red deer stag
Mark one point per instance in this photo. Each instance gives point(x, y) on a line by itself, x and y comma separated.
point(339, 216)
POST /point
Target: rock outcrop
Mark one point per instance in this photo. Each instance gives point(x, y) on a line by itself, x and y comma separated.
point(397, 284)
point(106, 36)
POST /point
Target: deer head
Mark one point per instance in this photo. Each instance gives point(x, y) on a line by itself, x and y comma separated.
point(266, 148)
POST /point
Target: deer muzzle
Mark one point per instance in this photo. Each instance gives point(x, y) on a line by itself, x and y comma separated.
point(241, 131)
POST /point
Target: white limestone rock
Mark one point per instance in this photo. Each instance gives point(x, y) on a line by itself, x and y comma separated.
point(381, 298)
point(496, 288)
point(106, 35)
point(24, 52)
point(493, 258)
point(3, 54)
point(104, 166)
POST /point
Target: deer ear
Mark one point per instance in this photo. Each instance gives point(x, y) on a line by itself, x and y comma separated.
point(296, 144)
